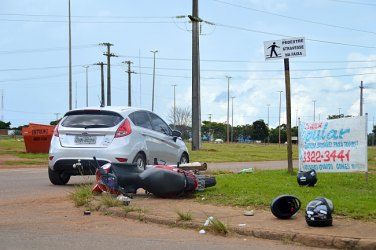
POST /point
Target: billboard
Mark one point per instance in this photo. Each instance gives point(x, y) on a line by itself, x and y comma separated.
point(338, 145)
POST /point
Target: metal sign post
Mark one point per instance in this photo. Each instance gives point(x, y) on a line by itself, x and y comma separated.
point(286, 48)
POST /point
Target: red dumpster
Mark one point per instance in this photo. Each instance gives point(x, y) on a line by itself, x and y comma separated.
point(37, 137)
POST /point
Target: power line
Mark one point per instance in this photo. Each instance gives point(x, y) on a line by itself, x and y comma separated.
point(258, 70)
point(100, 17)
point(96, 22)
point(48, 49)
point(281, 35)
point(356, 3)
point(298, 19)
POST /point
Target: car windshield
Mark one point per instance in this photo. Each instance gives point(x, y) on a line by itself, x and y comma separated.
point(92, 120)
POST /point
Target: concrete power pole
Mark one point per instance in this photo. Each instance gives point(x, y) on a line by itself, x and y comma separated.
point(152, 96)
point(70, 57)
point(102, 83)
point(228, 109)
point(109, 55)
point(2, 105)
point(174, 86)
point(361, 98)
point(196, 102)
point(232, 118)
point(129, 83)
point(87, 85)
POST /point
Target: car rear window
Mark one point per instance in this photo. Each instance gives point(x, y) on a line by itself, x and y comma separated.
point(140, 118)
point(91, 119)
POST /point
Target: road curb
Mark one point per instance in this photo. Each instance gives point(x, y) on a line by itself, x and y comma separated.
point(311, 240)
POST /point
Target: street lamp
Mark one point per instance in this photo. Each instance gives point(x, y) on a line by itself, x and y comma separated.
point(268, 124)
point(152, 98)
point(70, 56)
point(232, 118)
point(174, 107)
point(87, 85)
point(314, 110)
point(228, 108)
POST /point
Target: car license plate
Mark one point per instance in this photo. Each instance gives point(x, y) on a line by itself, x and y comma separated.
point(85, 139)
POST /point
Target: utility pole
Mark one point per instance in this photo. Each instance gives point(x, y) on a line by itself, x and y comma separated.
point(210, 116)
point(57, 116)
point(70, 56)
point(174, 86)
point(2, 105)
point(196, 102)
point(279, 119)
point(228, 108)
point(339, 112)
point(109, 55)
point(129, 82)
point(102, 83)
point(152, 96)
point(361, 98)
point(314, 110)
point(87, 85)
point(373, 134)
point(232, 118)
point(268, 124)
point(75, 92)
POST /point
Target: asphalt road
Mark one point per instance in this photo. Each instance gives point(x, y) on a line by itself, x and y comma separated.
point(35, 214)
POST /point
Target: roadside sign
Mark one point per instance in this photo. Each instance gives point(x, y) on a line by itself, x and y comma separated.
point(285, 48)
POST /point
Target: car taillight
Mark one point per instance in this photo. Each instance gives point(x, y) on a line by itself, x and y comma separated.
point(56, 131)
point(122, 160)
point(124, 129)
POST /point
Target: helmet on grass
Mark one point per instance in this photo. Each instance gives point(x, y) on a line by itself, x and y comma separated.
point(307, 178)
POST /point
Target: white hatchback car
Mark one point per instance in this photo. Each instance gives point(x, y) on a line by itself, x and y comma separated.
point(111, 134)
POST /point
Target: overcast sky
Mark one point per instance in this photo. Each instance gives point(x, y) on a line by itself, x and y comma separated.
point(339, 36)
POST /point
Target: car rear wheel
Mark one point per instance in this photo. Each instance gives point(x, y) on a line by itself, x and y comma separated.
point(184, 158)
point(57, 177)
point(140, 161)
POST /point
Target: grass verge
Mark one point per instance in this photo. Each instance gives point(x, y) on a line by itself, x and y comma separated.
point(351, 195)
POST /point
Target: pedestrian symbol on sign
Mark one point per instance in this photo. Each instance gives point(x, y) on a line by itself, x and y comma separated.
point(273, 50)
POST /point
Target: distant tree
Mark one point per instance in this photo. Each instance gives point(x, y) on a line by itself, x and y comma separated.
point(295, 131)
point(4, 125)
point(259, 130)
point(183, 118)
point(55, 122)
point(217, 130)
point(274, 134)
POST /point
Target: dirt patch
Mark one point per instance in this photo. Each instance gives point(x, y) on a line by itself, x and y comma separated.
point(6, 158)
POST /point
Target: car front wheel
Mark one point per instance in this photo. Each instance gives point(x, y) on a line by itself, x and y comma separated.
point(57, 177)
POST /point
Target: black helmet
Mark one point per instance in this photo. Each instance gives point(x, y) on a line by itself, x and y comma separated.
point(319, 212)
point(307, 178)
point(285, 206)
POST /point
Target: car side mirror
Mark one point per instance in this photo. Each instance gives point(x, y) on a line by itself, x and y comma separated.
point(176, 134)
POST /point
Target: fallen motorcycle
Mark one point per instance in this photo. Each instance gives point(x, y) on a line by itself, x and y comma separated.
point(160, 180)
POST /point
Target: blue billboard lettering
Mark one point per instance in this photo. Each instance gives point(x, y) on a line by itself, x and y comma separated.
point(343, 166)
point(316, 135)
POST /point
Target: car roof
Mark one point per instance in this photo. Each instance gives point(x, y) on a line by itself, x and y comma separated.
point(123, 110)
